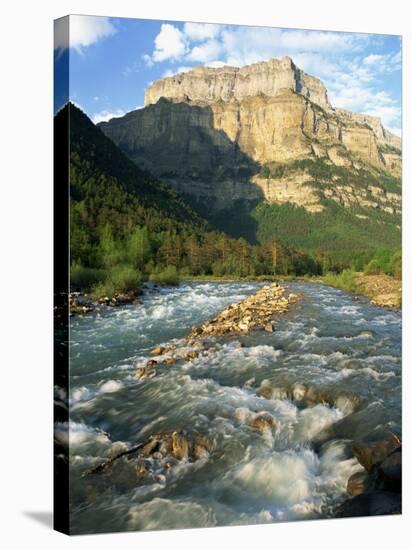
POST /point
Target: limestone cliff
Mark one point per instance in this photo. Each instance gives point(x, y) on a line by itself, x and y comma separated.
point(223, 134)
point(231, 83)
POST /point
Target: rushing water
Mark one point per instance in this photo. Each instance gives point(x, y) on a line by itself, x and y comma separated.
point(339, 346)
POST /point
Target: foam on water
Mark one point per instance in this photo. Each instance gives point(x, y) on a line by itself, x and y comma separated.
point(252, 475)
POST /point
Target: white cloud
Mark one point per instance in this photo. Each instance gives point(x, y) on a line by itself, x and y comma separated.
point(215, 64)
point(83, 30)
point(105, 116)
point(372, 59)
point(201, 31)
point(148, 60)
point(366, 100)
point(169, 44)
point(244, 45)
point(384, 63)
point(352, 65)
point(205, 52)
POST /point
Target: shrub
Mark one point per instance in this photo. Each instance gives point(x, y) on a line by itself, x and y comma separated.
point(345, 280)
point(373, 268)
point(396, 265)
point(124, 277)
point(168, 276)
point(84, 278)
point(102, 290)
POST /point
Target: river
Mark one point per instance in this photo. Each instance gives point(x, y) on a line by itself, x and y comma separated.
point(326, 341)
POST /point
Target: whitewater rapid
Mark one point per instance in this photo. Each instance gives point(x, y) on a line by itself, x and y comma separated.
point(327, 341)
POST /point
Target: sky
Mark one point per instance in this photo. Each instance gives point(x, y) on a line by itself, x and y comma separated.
point(113, 60)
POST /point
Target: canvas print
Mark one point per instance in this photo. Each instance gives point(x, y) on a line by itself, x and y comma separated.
point(227, 274)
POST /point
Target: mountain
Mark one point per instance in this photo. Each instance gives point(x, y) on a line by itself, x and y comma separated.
point(122, 219)
point(255, 147)
point(93, 155)
point(221, 134)
point(107, 188)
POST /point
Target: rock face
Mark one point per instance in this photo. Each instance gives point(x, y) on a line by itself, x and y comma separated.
point(210, 132)
point(231, 83)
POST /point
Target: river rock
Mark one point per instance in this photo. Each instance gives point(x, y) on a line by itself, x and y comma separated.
point(391, 471)
point(148, 371)
point(150, 446)
point(374, 452)
point(263, 422)
point(377, 503)
point(298, 392)
point(359, 426)
point(268, 327)
point(159, 350)
point(200, 447)
point(142, 468)
point(357, 483)
point(180, 446)
point(255, 311)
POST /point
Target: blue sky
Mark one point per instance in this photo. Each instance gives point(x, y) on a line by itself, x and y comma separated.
point(113, 60)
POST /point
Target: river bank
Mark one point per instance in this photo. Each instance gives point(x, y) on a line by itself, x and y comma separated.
point(381, 289)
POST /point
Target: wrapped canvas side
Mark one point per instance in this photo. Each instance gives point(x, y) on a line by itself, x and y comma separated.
point(61, 280)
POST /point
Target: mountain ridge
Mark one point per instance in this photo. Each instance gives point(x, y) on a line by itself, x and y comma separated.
point(227, 147)
point(216, 133)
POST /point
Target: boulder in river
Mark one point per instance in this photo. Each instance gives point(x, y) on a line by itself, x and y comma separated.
point(390, 470)
point(376, 503)
point(148, 371)
point(180, 446)
point(370, 453)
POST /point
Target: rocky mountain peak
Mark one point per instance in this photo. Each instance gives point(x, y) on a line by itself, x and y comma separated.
point(208, 85)
point(264, 131)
